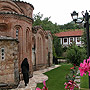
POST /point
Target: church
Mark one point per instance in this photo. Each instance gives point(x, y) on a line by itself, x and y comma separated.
point(19, 40)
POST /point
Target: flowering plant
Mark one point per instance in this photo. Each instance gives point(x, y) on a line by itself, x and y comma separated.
point(70, 85)
point(72, 74)
point(85, 67)
point(44, 88)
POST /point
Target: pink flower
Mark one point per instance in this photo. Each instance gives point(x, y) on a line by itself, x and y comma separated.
point(70, 85)
point(44, 88)
point(44, 83)
point(38, 88)
point(88, 60)
point(85, 67)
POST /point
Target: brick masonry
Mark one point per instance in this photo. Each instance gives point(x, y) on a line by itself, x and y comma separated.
point(35, 44)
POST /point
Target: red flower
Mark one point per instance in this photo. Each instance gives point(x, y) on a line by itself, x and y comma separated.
point(71, 85)
point(73, 76)
point(74, 64)
point(72, 68)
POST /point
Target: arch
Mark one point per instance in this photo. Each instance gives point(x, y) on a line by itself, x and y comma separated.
point(20, 39)
point(41, 46)
point(28, 47)
point(10, 6)
point(33, 42)
point(8, 9)
point(38, 50)
point(3, 27)
point(41, 50)
point(19, 28)
point(27, 39)
point(34, 52)
point(50, 56)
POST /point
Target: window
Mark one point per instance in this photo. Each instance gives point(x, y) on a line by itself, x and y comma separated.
point(17, 33)
point(71, 39)
point(2, 53)
point(27, 39)
point(78, 39)
point(65, 40)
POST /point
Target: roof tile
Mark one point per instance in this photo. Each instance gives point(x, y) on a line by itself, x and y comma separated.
point(69, 33)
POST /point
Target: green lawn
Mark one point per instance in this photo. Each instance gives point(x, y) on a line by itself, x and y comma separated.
point(57, 77)
point(84, 83)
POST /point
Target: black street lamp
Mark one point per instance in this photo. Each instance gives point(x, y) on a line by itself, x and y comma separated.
point(86, 25)
point(74, 16)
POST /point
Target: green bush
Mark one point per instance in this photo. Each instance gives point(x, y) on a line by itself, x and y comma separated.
point(76, 54)
point(64, 49)
point(57, 46)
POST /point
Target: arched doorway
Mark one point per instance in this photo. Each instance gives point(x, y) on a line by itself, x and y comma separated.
point(34, 52)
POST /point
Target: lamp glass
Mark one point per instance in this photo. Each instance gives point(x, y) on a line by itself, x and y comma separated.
point(75, 17)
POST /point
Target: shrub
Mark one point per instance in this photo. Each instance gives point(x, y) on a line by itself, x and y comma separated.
point(64, 49)
point(57, 46)
point(76, 54)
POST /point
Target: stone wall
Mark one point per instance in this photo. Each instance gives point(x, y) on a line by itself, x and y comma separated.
point(9, 73)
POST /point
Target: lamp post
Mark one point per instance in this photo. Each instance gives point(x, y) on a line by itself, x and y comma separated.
point(86, 25)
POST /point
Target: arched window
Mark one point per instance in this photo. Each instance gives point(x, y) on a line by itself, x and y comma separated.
point(17, 31)
point(2, 54)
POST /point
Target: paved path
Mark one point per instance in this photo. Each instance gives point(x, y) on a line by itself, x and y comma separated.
point(38, 77)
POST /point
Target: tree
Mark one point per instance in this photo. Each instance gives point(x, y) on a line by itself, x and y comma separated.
point(57, 46)
point(37, 19)
point(84, 40)
point(76, 54)
point(54, 28)
point(45, 23)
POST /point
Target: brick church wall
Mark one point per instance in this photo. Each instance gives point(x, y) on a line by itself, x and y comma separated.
point(19, 18)
point(41, 46)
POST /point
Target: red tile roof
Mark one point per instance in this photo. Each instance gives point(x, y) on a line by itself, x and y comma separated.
point(69, 33)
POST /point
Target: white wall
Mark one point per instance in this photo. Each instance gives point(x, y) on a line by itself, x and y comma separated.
point(66, 43)
point(61, 41)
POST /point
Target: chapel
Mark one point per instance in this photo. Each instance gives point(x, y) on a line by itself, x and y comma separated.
point(19, 40)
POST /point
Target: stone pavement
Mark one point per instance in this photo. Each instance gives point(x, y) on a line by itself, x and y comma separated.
point(38, 77)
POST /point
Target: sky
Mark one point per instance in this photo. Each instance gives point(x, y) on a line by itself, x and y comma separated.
point(59, 10)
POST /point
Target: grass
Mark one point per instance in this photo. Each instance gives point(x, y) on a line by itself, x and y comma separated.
point(84, 83)
point(57, 77)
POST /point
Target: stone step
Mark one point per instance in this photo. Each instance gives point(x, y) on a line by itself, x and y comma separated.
point(77, 80)
point(77, 77)
point(78, 72)
point(78, 85)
